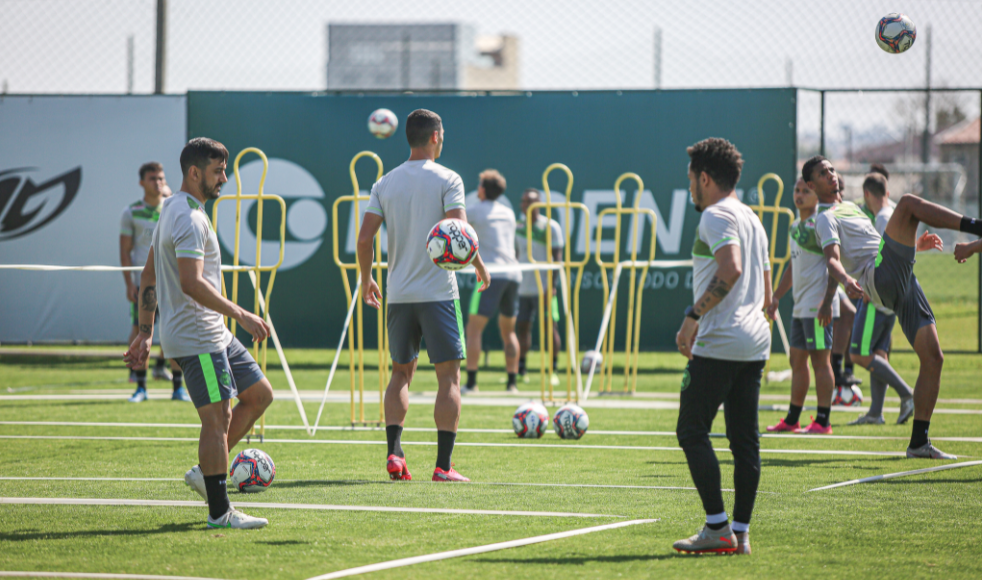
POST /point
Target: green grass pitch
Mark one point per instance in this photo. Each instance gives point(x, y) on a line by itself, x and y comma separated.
point(909, 527)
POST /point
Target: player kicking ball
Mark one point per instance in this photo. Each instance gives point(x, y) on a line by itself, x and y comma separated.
point(423, 299)
point(727, 340)
point(811, 330)
point(184, 274)
point(881, 270)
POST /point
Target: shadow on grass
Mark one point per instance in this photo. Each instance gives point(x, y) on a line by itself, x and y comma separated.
point(30, 535)
point(581, 561)
point(329, 483)
point(284, 543)
point(829, 463)
point(927, 481)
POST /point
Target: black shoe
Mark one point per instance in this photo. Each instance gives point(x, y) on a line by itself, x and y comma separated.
point(849, 380)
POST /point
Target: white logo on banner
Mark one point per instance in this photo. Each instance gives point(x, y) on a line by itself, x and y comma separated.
point(306, 218)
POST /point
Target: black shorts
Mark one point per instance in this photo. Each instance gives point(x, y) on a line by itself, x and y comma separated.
point(219, 376)
point(528, 307)
point(501, 295)
point(871, 330)
point(899, 289)
point(440, 324)
point(809, 334)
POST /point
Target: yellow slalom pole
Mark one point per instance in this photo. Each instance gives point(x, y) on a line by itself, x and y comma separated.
point(607, 345)
point(778, 263)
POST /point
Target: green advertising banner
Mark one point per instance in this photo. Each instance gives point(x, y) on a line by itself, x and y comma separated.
point(310, 140)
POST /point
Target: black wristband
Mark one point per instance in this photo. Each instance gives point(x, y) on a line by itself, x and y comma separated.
point(691, 313)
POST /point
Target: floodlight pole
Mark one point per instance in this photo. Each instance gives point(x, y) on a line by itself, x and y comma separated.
point(160, 63)
point(821, 124)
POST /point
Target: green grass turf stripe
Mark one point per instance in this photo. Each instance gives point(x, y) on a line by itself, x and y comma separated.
point(211, 379)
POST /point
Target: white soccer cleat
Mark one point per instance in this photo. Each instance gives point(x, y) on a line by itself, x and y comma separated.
point(196, 481)
point(906, 410)
point(928, 451)
point(237, 520)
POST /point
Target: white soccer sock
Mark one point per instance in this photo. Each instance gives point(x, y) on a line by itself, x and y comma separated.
point(739, 527)
point(720, 518)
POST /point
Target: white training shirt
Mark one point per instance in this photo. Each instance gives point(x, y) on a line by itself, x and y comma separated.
point(735, 329)
point(809, 271)
point(411, 199)
point(138, 221)
point(494, 224)
point(529, 287)
point(184, 231)
point(848, 226)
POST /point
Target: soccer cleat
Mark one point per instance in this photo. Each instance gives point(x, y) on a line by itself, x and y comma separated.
point(709, 541)
point(139, 396)
point(782, 425)
point(928, 451)
point(525, 378)
point(512, 389)
point(162, 374)
point(465, 390)
point(906, 410)
point(237, 520)
point(397, 468)
point(554, 381)
point(196, 481)
point(181, 394)
point(867, 419)
point(815, 429)
point(132, 376)
point(849, 380)
point(743, 542)
point(452, 475)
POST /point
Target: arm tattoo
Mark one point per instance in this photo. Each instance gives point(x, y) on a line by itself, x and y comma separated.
point(717, 288)
point(146, 328)
point(150, 299)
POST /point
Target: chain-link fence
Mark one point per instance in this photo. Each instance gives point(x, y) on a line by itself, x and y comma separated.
point(109, 46)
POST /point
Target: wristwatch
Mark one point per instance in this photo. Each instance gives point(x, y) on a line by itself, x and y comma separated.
point(691, 313)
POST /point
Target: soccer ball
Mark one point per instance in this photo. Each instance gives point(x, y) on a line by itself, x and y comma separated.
point(895, 33)
point(588, 359)
point(530, 421)
point(570, 422)
point(383, 123)
point(452, 244)
point(848, 396)
point(252, 471)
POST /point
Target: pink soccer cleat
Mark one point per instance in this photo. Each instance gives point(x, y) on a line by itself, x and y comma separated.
point(452, 475)
point(815, 429)
point(396, 466)
point(783, 426)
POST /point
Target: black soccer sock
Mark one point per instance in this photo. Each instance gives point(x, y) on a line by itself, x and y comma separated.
point(555, 361)
point(471, 379)
point(444, 448)
point(794, 414)
point(393, 434)
point(160, 363)
point(849, 367)
point(718, 526)
point(822, 417)
point(511, 379)
point(918, 435)
point(178, 379)
point(521, 366)
point(837, 367)
point(217, 495)
point(971, 225)
point(141, 380)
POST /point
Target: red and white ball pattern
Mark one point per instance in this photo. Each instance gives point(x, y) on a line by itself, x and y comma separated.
point(570, 422)
point(383, 123)
point(530, 421)
point(252, 471)
point(452, 244)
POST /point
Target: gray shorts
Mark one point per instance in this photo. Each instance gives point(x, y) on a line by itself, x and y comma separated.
point(871, 330)
point(808, 334)
point(501, 295)
point(898, 287)
point(528, 307)
point(219, 376)
point(440, 324)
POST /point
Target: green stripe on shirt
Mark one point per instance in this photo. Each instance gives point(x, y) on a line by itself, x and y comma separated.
point(724, 240)
point(195, 253)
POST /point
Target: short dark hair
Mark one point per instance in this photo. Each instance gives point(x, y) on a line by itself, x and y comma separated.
point(493, 182)
point(199, 152)
point(876, 184)
point(809, 166)
point(879, 168)
point(420, 124)
point(150, 167)
point(719, 159)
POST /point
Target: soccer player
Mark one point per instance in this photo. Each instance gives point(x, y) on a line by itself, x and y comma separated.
point(727, 340)
point(528, 292)
point(423, 299)
point(135, 233)
point(183, 272)
point(881, 270)
point(842, 329)
point(874, 325)
point(811, 332)
point(494, 224)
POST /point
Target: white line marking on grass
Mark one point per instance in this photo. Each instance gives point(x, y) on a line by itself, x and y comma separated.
point(360, 429)
point(289, 506)
point(462, 444)
point(901, 474)
point(95, 575)
point(475, 550)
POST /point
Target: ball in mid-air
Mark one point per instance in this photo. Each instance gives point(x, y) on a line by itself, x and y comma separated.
point(530, 421)
point(451, 244)
point(252, 471)
point(895, 33)
point(383, 123)
point(848, 396)
point(570, 422)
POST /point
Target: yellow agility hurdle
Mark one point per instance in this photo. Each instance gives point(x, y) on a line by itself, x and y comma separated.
point(632, 340)
point(568, 264)
point(358, 378)
point(258, 269)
